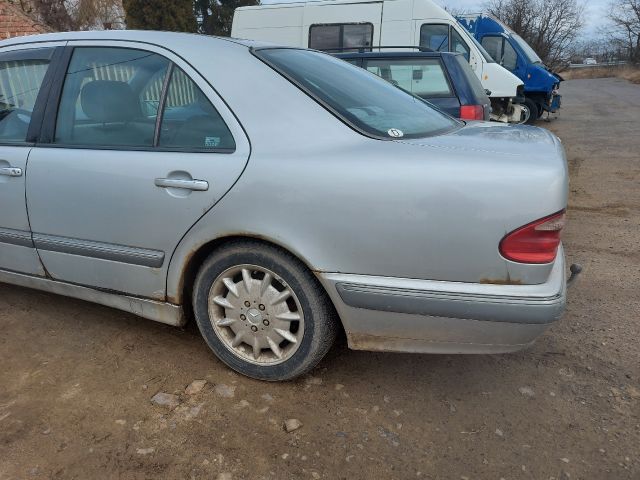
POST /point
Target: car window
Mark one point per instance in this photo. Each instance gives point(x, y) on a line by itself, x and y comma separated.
point(110, 97)
point(365, 102)
point(190, 120)
point(340, 36)
point(458, 45)
point(435, 37)
point(493, 45)
point(424, 77)
point(509, 56)
point(21, 76)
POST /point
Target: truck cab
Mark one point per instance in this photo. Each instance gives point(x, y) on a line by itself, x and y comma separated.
point(513, 53)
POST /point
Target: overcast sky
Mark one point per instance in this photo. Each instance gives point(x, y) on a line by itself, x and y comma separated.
point(595, 15)
point(596, 11)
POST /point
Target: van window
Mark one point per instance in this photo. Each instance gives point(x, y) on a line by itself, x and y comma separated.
point(509, 57)
point(338, 37)
point(363, 101)
point(493, 45)
point(424, 77)
point(458, 45)
point(435, 37)
point(501, 50)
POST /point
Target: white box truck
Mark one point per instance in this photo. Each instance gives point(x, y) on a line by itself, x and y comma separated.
point(342, 25)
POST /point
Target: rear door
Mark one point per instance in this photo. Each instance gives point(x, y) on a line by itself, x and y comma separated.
point(23, 70)
point(425, 77)
point(137, 149)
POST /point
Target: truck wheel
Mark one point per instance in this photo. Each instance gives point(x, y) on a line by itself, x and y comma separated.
point(262, 312)
point(534, 111)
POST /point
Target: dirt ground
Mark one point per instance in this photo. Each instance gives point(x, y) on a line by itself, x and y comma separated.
point(76, 379)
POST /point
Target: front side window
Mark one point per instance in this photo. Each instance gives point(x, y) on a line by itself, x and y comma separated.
point(424, 77)
point(458, 45)
point(435, 37)
point(21, 77)
point(110, 97)
point(341, 36)
point(189, 120)
point(363, 101)
point(509, 56)
point(493, 45)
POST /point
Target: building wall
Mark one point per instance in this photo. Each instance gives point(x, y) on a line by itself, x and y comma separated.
point(14, 22)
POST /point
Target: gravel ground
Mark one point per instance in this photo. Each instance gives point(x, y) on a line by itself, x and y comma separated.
point(77, 379)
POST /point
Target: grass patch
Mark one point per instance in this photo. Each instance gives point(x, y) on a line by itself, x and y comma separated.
point(630, 73)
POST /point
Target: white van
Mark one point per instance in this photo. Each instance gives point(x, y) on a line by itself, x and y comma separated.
point(342, 25)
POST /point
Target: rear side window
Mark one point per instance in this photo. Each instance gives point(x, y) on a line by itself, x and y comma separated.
point(424, 77)
point(341, 36)
point(189, 120)
point(363, 101)
point(21, 76)
point(110, 97)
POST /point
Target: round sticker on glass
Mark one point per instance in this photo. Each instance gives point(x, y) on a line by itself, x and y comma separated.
point(395, 133)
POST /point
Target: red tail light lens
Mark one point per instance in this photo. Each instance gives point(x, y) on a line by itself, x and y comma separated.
point(472, 112)
point(536, 242)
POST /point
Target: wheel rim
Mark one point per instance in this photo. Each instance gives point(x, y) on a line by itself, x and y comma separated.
point(256, 315)
point(526, 113)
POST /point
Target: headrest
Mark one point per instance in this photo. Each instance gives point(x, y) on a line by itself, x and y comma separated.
point(109, 101)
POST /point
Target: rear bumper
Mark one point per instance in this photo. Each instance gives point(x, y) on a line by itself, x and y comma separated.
point(408, 315)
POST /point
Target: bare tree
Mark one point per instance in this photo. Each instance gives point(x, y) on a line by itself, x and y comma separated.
point(624, 15)
point(551, 27)
point(65, 15)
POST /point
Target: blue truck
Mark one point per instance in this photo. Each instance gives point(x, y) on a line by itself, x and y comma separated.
point(513, 53)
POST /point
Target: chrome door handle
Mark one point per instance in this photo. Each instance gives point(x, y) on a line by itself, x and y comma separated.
point(197, 185)
point(11, 171)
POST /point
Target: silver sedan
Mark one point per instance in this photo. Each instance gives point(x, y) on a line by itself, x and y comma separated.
point(279, 196)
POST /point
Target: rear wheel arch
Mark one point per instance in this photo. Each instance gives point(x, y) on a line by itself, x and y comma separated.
point(199, 255)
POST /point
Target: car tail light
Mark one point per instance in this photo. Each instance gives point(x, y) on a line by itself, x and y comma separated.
point(536, 242)
point(472, 112)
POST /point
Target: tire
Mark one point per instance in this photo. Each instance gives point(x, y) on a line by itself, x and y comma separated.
point(534, 111)
point(238, 307)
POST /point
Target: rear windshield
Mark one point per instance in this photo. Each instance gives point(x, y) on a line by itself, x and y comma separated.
point(361, 99)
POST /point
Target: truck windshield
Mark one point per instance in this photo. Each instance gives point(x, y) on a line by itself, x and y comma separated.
point(528, 51)
point(364, 101)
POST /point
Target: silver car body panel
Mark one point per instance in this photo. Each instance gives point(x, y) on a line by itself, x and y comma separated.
point(392, 314)
point(368, 216)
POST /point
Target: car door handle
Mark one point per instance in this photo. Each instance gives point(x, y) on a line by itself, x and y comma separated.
point(11, 171)
point(197, 185)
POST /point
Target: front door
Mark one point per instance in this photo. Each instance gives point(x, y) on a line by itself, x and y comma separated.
point(142, 148)
point(22, 74)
